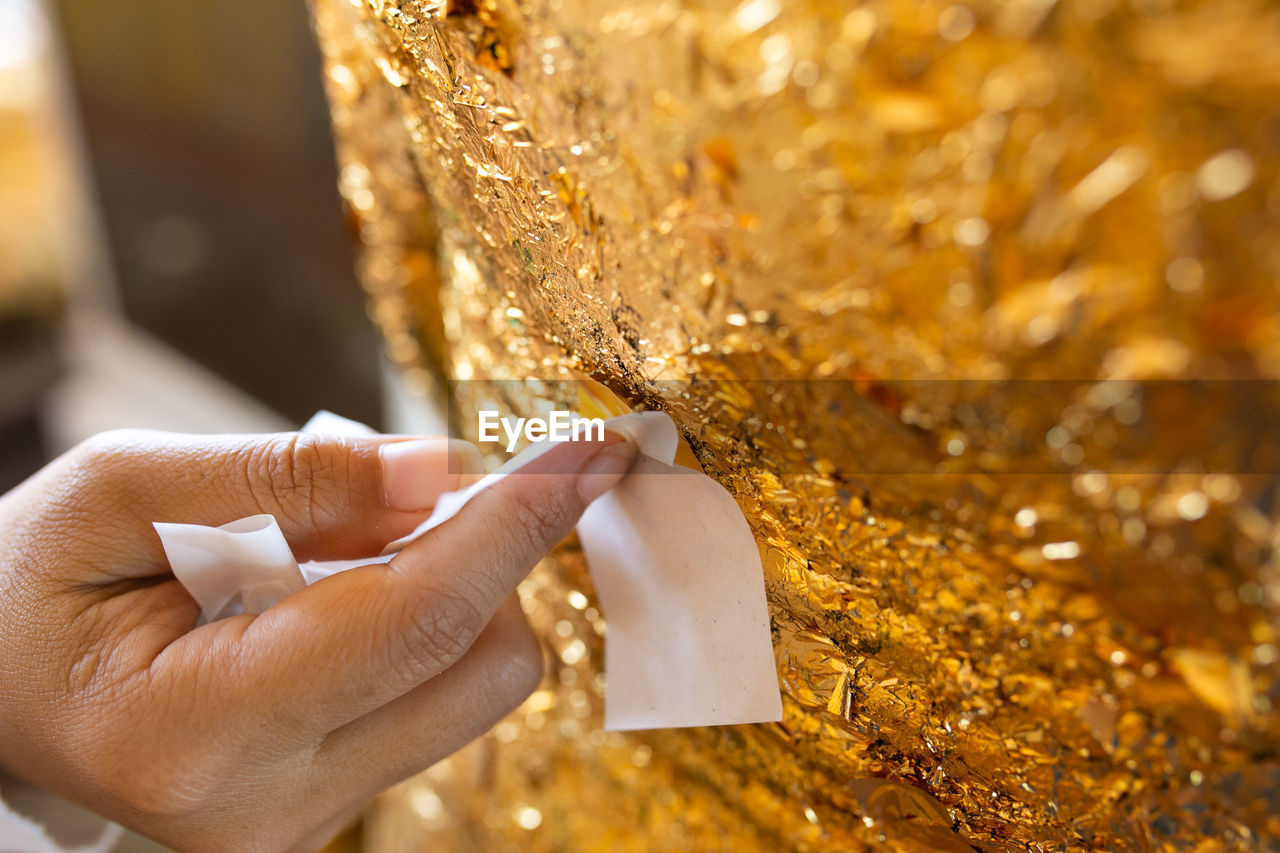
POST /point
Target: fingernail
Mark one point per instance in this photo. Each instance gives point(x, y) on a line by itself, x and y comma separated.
point(416, 473)
point(605, 470)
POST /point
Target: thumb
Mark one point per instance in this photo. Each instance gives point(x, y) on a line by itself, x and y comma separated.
point(333, 497)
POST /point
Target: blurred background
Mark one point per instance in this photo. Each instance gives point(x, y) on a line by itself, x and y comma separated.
point(173, 252)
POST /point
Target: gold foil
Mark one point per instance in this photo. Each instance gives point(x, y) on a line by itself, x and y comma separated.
point(940, 210)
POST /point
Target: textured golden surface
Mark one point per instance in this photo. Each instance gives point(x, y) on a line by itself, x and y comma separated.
point(983, 641)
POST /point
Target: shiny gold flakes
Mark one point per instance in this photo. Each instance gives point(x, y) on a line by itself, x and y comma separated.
point(832, 240)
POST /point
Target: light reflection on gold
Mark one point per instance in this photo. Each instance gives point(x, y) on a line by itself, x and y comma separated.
point(971, 655)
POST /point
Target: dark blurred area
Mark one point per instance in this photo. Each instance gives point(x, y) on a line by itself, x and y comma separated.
point(173, 250)
point(208, 139)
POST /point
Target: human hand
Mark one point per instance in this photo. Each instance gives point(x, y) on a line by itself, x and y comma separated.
point(268, 732)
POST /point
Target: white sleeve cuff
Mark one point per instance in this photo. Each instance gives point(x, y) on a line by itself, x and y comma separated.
point(38, 822)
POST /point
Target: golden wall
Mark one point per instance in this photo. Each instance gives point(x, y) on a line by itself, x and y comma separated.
point(972, 307)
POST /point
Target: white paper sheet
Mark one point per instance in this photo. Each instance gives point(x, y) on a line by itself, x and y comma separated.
point(670, 553)
point(242, 567)
point(679, 581)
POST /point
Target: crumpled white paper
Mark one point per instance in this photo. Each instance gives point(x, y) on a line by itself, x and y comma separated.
point(671, 556)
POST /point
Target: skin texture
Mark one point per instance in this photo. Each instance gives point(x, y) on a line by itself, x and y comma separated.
point(268, 732)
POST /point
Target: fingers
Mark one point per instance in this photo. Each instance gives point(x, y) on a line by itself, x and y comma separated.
point(333, 497)
point(355, 641)
point(435, 719)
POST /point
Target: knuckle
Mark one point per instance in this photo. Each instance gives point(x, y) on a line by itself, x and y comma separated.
point(107, 455)
point(87, 661)
point(151, 783)
point(162, 789)
point(520, 670)
point(538, 514)
point(540, 520)
point(110, 442)
point(159, 767)
point(299, 476)
point(440, 628)
point(94, 488)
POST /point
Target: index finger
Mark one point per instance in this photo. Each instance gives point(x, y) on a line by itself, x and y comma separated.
point(357, 640)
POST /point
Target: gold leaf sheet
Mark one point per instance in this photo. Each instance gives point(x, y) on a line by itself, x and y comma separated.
point(861, 251)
